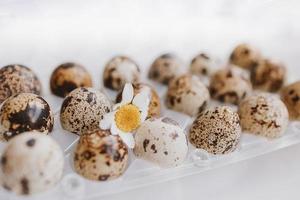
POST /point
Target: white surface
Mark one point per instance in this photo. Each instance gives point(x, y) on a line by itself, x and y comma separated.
point(41, 35)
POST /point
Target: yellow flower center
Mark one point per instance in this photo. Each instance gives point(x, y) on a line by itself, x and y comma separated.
point(128, 118)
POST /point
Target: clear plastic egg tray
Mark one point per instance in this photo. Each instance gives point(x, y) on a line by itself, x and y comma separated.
point(43, 34)
point(141, 173)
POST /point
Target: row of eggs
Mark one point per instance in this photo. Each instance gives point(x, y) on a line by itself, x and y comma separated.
point(102, 156)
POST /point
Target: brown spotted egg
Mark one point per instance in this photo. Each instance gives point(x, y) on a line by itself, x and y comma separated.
point(290, 95)
point(268, 75)
point(162, 142)
point(164, 68)
point(31, 163)
point(245, 56)
point(83, 109)
point(154, 106)
point(15, 79)
point(187, 94)
point(230, 85)
point(67, 77)
point(217, 130)
point(120, 70)
point(25, 112)
point(100, 156)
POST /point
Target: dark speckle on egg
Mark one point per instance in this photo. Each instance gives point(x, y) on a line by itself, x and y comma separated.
point(15, 79)
point(25, 112)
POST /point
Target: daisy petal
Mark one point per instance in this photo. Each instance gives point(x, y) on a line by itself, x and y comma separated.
point(107, 120)
point(142, 98)
point(127, 94)
point(114, 129)
point(128, 139)
point(144, 111)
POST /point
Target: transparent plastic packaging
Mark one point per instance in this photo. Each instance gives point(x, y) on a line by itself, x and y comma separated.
point(233, 20)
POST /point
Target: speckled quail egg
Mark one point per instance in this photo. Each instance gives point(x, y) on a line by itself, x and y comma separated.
point(187, 94)
point(217, 130)
point(154, 106)
point(245, 56)
point(31, 163)
point(230, 85)
point(100, 155)
point(164, 68)
point(25, 112)
point(83, 109)
point(202, 65)
point(67, 77)
point(120, 70)
point(15, 79)
point(161, 141)
point(268, 75)
point(263, 114)
point(290, 95)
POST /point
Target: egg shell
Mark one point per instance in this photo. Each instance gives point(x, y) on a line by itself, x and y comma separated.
point(187, 94)
point(164, 68)
point(263, 114)
point(25, 112)
point(217, 130)
point(230, 85)
point(67, 77)
point(290, 95)
point(202, 65)
point(15, 79)
point(83, 109)
point(268, 75)
point(162, 142)
point(31, 163)
point(154, 105)
point(100, 156)
point(120, 70)
point(245, 56)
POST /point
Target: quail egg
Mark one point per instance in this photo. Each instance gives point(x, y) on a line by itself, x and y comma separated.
point(82, 109)
point(15, 79)
point(164, 68)
point(100, 155)
point(120, 70)
point(202, 65)
point(24, 112)
point(162, 142)
point(245, 56)
point(217, 130)
point(187, 94)
point(268, 75)
point(154, 106)
point(290, 95)
point(67, 77)
point(230, 85)
point(31, 163)
point(263, 114)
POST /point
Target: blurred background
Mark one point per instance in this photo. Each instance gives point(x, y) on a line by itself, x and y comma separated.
point(43, 34)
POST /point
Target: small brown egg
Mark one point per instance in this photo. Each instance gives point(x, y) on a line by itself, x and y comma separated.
point(15, 79)
point(25, 112)
point(202, 65)
point(245, 56)
point(187, 94)
point(164, 68)
point(154, 106)
point(268, 75)
point(67, 77)
point(82, 110)
point(230, 85)
point(100, 156)
point(217, 130)
point(120, 70)
point(290, 95)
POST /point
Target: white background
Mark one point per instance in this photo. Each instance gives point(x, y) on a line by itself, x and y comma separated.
point(43, 34)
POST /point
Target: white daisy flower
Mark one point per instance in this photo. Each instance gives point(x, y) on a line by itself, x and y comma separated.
point(128, 114)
